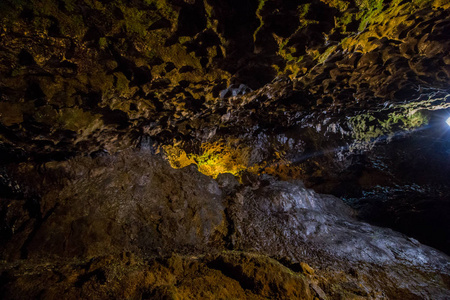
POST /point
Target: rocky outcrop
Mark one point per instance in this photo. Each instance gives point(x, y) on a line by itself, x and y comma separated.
point(134, 203)
point(228, 275)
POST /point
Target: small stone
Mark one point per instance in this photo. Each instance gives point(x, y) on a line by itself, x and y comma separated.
point(306, 269)
point(320, 293)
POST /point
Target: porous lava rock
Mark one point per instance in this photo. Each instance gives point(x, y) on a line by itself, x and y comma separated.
point(132, 220)
point(275, 102)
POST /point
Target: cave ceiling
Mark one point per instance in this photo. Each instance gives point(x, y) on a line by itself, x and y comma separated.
point(84, 76)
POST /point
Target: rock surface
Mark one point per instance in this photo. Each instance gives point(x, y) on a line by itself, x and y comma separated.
point(95, 216)
point(348, 98)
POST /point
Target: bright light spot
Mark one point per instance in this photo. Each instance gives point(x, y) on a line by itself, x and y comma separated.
point(448, 121)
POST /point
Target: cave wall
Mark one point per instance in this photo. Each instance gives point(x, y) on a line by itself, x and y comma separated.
point(92, 216)
point(151, 147)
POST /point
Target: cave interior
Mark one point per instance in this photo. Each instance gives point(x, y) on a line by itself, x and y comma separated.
point(224, 149)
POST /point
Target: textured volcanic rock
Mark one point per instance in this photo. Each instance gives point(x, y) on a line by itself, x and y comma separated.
point(228, 275)
point(72, 83)
point(346, 97)
point(135, 203)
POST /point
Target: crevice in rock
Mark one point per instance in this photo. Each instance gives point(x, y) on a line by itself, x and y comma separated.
point(33, 207)
point(233, 271)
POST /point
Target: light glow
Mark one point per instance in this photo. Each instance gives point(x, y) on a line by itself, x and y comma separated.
point(448, 121)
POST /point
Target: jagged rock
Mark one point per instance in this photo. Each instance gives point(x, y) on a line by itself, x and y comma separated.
point(136, 203)
point(350, 97)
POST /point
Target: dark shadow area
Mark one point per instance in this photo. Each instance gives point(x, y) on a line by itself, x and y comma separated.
point(404, 184)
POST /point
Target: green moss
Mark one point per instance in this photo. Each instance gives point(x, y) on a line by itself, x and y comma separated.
point(215, 158)
point(258, 14)
point(17, 72)
point(76, 119)
point(302, 12)
point(367, 126)
point(261, 5)
point(303, 9)
point(122, 82)
point(70, 5)
point(16, 3)
point(372, 18)
point(342, 21)
point(135, 21)
point(287, 53)
point(46, 114)
point(290, 54)
point(12, 113)
point(73, 26)
point(368, 10)
point(323, 57)
point(102, 43)
point(184, 39)
point(404, 121)
point(41, 23)
point(164, 8)
point(10, 10)
point(338, 4)
point(369, 4)
point(95, 4)
point(422, 3)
